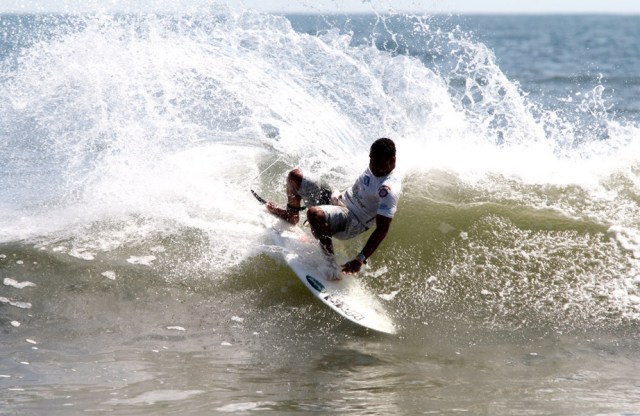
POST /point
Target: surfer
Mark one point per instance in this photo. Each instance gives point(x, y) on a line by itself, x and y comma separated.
point(371, 202)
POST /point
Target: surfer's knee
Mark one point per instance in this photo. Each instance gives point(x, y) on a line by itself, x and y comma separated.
point(315, 215)
point(294, 178)
point(318, 221)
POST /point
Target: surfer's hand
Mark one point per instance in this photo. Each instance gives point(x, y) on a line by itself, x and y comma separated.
point(351, 267)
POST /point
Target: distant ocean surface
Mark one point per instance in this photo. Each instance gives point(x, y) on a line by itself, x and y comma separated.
point(138, 277)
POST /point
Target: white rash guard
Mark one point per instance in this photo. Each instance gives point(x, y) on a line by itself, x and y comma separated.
point(371, 196)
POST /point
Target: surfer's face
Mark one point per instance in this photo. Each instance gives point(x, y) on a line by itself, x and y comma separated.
point(381, 166)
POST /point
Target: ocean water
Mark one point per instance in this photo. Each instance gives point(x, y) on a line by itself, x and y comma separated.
point(137, 276)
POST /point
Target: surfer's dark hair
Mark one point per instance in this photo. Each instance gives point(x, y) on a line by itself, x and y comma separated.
point(383, 148)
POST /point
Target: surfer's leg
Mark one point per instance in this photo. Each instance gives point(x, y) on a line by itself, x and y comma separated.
point(329, 221)
point(292, 213)
point(294, 181)
point(321, 228)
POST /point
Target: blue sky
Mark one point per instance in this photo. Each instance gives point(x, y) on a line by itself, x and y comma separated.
point(328, 6)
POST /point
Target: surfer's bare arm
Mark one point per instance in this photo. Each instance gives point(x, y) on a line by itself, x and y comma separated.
point(382, 228)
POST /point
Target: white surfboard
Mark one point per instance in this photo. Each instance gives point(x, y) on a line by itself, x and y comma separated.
point(346, 296)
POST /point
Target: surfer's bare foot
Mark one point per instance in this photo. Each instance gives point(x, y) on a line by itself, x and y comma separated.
point(292, 217)
point(331, 271)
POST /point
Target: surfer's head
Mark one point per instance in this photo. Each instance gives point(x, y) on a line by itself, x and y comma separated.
point(382, 157)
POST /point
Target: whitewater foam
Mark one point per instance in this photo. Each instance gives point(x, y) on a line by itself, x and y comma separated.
point(154, 128)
